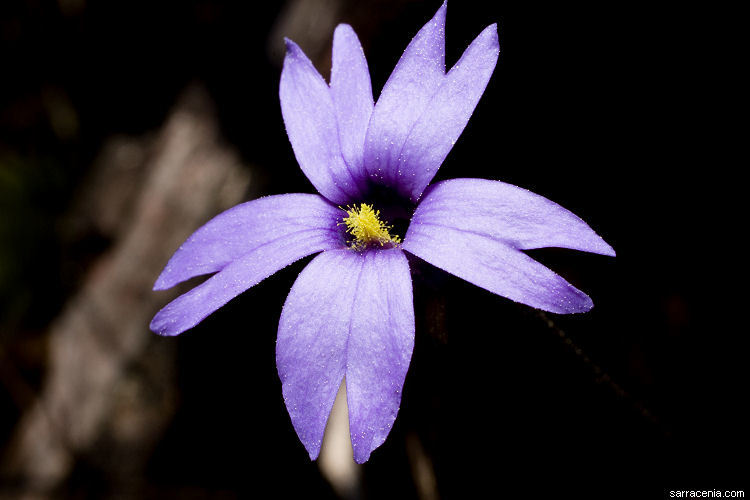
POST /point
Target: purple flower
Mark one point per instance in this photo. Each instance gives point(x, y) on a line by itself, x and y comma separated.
point(349, 315)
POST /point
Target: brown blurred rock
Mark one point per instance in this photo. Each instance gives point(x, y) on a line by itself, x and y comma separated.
point(310, 23)
point(109, 391)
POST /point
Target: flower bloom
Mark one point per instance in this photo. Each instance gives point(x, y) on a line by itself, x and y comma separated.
point(349, 315)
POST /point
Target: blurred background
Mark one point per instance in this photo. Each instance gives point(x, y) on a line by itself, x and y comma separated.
point(125, 125)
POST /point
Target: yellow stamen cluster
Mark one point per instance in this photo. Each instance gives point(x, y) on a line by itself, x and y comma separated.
point(366, 228)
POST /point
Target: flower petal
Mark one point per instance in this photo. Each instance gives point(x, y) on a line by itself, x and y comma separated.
point(311, 342)
point(520, 218)
point(414, 80)
point(379, 350)
point(495, 266)
point(278, 249)
point(245, 227)
point(446, 115)
point(310, 119)
point(475, 229)
point(348, 315)
point(352, 94)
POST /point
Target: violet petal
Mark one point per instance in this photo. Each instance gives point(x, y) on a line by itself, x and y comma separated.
point(379, 350)
point(349, 314)
point(243, 228)
point(522, 219)
point(437, 129)
point(290, 241)
point(310, 119)
point(475, 229)
point(414, 80)
point(352, 94)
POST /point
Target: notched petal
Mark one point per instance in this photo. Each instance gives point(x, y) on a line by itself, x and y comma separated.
point(239, 230)
point(476, 229)
point(311, 124)
point(349, 314)
point(246, 244)
point(417, 75)
point(520, 218)
point(436, 131)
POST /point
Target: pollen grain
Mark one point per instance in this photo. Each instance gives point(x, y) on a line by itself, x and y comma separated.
point(366, 228)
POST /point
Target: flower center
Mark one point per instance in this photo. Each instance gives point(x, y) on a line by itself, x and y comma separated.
point(366, 228)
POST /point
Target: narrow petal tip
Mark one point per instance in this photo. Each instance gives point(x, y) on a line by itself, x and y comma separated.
point(165, 324)
point(314, 452)
point(569, 300)
point(343, 28)
point(608, 250)
point(440, 14)
point(598, 246)
point(291, 47)
point(162, 283)
point(159, 327)
point(491, 31)
point(584, 306)
point(489, 37)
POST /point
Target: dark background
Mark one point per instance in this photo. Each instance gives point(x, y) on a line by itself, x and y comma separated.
point(594, 108)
